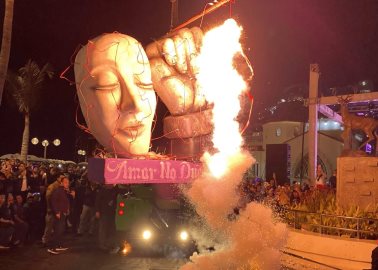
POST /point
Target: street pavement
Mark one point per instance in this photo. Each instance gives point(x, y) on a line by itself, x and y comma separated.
point(82, 255)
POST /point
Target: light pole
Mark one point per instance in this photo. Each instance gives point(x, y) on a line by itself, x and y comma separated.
point(45, 143)
point(81, 152)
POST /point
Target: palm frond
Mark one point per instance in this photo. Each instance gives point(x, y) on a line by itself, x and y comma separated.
point(25, 86)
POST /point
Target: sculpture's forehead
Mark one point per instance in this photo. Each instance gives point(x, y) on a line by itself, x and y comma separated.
point(112, 52)
point(115, 47)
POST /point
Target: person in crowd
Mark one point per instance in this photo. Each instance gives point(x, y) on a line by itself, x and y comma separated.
point(273, 181)
point(87, 218)
point(332, 181)
point(9, 205)
point(22, 183)
point(77, 189)
point(10, 177)
point(6, 169)
point(49, 219)
point(295, 197)
point(54, 173)
point(283, 198)
point(35, 216)
point(35, 180)
point(60, 207)
point(6, 224)
point(305, 186)
point(105, 206)
point(43, 176)
point(3, 183)
point(270, 198)
point(20, 224)
point(320, 177)
point(260, 192)
point(374, 258)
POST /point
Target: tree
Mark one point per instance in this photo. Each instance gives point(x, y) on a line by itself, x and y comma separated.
point(25, 88)
point(6, 43)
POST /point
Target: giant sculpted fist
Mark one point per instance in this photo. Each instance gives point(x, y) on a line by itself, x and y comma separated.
point(173, 67)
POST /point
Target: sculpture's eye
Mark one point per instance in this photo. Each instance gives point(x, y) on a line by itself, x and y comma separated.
point(105, 81)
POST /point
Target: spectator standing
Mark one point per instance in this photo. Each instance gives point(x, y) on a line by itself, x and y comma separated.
point(21, 185)
point(10, 179)
point(3, 184)
point(49, 222)
point(320, 177)
point(295, 197)
point(60, 207)
point(6, 224)
point(374, 258)
point(105, 212)
point(35, 180)
point(87, 217)
point(20, 224)
point(35, 216)
point(43, 176)
point(333, 180)
point(54, 173)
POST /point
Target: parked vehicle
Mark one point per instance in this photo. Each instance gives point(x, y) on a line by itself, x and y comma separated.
point(154, 228)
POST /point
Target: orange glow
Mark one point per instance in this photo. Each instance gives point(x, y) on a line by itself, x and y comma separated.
point(126, 248)
point(222, 85)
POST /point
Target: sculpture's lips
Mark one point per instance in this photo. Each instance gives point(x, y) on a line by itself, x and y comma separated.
point(133, 131)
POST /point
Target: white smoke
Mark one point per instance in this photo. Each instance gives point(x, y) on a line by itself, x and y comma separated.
point(251, 241)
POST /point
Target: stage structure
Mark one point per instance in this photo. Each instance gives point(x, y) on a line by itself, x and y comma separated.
point(116, 81)
point(357, 174)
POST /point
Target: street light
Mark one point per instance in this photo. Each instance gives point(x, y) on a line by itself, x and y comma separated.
point(45, 143)
point(56, 142)
point(81, 152)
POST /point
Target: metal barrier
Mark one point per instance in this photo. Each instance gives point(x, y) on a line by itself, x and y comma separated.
point(355, 224)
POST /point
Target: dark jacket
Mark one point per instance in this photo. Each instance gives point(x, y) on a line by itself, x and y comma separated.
point(17, 182)
point(374, 259)
point(106, 200)
point(90, 197)
point(59, 201)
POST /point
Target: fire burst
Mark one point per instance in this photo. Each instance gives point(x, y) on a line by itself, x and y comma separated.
point(221, 84)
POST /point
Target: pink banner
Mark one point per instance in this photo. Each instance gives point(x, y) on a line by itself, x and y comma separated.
point(137, 171)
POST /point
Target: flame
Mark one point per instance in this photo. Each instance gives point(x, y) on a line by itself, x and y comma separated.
point(222, 85)
point(126, 249)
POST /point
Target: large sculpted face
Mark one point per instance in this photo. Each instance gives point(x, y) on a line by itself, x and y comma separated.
point(113, 80)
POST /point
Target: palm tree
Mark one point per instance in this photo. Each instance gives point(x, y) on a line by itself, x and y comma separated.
point(6, 43)
point(25, 88)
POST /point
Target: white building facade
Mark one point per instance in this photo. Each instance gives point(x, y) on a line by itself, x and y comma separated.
point(330, 146)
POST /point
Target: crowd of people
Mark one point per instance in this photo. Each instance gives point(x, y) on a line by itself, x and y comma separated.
point(39, 202)
point(281, 196)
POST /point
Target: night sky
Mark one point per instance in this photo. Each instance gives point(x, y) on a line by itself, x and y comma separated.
point(281, 39)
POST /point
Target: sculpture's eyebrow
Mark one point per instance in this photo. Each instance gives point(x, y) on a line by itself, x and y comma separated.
point(145, 85)
point(105, 86)
point(141, 84)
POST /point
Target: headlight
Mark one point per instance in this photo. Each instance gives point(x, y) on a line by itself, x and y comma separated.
point(184, 236)
point(147, 234)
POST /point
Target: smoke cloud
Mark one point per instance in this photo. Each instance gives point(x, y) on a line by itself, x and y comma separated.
point(251, 240)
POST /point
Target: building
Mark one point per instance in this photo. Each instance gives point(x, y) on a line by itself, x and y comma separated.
point(294, 135)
